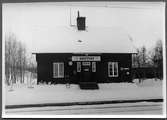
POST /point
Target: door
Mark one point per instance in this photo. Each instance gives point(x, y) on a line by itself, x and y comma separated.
point(86, 71)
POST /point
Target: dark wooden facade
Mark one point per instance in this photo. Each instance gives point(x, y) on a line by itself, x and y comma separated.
point(45, 68)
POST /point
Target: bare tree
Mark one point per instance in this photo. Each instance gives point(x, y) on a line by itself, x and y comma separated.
point(154, 59)
point(15, 60)
point(136, 59)
point(32, 69)
point(143, 56)
point(21, 61)
point(140, 59)
point(10, 58)
point(157, 58)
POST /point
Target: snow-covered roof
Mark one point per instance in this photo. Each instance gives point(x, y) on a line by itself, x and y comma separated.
point(93, 40)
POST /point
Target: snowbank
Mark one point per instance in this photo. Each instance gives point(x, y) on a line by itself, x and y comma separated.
point(61, 93)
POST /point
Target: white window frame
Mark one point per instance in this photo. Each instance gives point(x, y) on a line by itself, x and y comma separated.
point(58, 70)
point(111, 67)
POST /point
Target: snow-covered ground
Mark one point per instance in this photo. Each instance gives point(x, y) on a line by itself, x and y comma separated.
point(21, 94)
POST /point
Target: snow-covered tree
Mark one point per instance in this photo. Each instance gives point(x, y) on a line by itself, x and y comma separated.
point(140, 59)
point(157, 57)
point(15, 59)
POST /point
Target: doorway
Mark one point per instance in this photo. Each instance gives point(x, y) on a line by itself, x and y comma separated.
point(85, 71)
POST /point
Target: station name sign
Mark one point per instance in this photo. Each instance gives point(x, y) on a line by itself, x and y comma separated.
point(86, 58)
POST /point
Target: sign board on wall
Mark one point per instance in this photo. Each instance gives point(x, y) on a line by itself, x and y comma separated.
point(86, 58)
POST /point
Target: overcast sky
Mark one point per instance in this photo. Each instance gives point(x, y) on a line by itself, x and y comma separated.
point(144, 22)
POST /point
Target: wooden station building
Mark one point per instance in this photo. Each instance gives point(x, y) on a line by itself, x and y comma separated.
point(86, 56)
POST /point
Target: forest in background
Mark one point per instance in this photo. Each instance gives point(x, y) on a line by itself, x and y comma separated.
point(18, 61)
point(148, 63)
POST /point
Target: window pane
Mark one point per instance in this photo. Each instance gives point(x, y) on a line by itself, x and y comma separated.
point(93, 66)
point(110, 69)
point(55, 70)
point(61, 69)
point(78, 66)
point(115, 69)
point(86, 63)
point(58, 70)
point(111, 72)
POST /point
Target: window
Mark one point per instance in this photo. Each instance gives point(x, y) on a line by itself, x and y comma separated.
point(113, 69)
point(78, 66)
point(58, 70)
point(86, 63)
point(93, 66)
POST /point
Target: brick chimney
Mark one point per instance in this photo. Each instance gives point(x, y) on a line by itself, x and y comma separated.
point(81, 22)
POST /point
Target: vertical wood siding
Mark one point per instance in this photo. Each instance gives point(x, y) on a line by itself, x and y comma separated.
point(45, 67)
